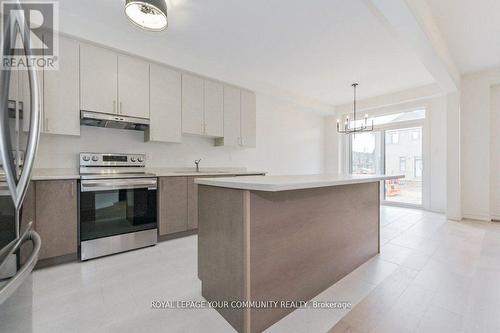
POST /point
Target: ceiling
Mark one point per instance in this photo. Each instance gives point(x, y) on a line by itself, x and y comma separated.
point(471, 30)
point(311, 50)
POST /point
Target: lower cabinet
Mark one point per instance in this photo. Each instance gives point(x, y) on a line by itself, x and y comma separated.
point(56, 217)
point(178, 204)
point(173, 205)
point(27, 216)
point(192, 218)
point(192, 221)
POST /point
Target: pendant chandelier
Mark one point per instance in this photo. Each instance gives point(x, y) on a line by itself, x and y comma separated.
point(347, 128)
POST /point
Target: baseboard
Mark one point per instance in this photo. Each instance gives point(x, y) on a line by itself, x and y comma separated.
point(56, 260)
point(477, 217)
point(454, 218)
point(162, 238)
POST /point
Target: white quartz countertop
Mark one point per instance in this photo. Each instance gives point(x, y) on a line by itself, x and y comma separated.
point(73, 173)
point(293, 182)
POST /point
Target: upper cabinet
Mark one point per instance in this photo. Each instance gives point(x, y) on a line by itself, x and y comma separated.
point(239, 118)
point(93, 78)
point(202, 106)
point(98, 79)
point(192, 105)
point(232, 117)
point(61, 107)
point(113, 83)
point(165, 105)
point(248, 119)
point(133, 87)
point(214, 109)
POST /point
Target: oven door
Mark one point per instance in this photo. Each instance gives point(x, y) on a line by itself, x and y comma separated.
point(110, 207)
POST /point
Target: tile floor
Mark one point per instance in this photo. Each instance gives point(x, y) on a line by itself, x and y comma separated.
point(432, 276)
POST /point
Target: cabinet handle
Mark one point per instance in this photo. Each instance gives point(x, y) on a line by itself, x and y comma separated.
point(114, 107)
point(121, 107)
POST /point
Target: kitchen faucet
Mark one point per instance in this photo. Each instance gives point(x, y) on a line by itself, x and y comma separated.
point(197, 163)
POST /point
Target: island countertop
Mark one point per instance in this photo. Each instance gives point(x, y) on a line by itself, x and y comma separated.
point(292, 182)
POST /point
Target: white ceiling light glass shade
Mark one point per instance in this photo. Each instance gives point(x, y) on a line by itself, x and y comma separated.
point(147, 14)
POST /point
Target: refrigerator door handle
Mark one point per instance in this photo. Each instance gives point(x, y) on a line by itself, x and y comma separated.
point(18, 186)
point(13, 246)
point(24, 272)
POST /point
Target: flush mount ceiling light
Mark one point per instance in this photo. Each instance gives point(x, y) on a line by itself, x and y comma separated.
point(147, 14)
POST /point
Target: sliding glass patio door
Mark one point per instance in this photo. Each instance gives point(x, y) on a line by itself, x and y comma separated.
point(366, 153)
point(394, 148)
point(403, 156)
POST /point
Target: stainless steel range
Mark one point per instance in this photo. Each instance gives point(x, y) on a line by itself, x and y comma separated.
point(117, 204)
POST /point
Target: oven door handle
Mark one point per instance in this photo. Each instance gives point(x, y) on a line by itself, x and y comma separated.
point(118, 184)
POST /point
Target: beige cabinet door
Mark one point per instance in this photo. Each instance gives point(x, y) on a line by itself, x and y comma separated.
point(192, 104)
point(19, 90)
point(232, 119)
point(98, 79)
point(24, 96)
point(62, 92)
point(165, 105)
point(133, 87)
point(173, 205)
point(56, 217)
point(248, 119)
point(213, 109)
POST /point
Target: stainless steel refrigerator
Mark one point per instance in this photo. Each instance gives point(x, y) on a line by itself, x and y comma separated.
point(20, 109)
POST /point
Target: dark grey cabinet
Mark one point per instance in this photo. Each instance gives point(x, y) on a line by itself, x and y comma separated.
point(192, 222)
point(173, 205)
point(178, 203)
point(56, 217)
point(28, 215)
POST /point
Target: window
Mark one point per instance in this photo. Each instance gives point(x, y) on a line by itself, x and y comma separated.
point(418, 167)
point(392, 118)
point(366, 153)
point(393, 148)
point(403, 158)
point(402, 164)
point(393, 138)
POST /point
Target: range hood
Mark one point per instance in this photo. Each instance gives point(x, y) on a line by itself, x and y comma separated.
point(98, 119)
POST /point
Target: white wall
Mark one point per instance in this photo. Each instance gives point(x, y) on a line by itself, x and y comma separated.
point(290, 140)
point(495, 153)
point(478, 155)
point(332, 146)
point(475, 129)
point(453, 156)
point(437, 144)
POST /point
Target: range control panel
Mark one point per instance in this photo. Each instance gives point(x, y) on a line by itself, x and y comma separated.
point(112, 159)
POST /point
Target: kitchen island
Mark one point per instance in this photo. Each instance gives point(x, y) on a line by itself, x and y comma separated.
point(282, 239)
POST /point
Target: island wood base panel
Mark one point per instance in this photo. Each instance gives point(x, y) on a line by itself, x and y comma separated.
point(281, 246)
